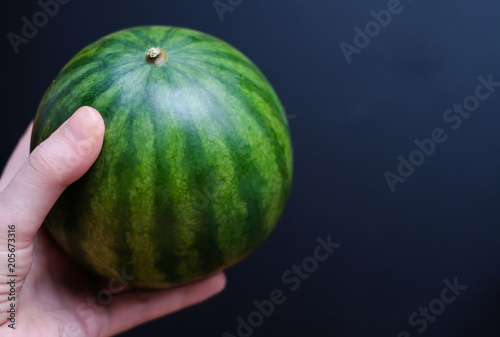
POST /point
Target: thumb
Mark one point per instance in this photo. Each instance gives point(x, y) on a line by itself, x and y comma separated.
point(56, 163)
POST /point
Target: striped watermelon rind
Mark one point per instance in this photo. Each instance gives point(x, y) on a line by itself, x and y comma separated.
point(196, 165)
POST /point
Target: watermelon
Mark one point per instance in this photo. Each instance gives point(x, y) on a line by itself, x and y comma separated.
point(196, 164)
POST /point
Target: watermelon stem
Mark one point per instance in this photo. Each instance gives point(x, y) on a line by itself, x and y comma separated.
point(156, 56)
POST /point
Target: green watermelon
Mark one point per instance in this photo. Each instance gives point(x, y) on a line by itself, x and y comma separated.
point(196, 165)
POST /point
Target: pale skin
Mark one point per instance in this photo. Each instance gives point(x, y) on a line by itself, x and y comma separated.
point(54, 296)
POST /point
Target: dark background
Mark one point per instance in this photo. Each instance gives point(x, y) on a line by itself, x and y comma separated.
point(349, 124)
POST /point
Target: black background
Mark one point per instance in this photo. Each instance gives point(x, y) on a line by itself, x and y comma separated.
point(349, 124)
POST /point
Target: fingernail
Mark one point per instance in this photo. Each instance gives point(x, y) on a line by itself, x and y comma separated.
point(81, 125)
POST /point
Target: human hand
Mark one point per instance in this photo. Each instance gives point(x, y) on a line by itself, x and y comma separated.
point(53, 295)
